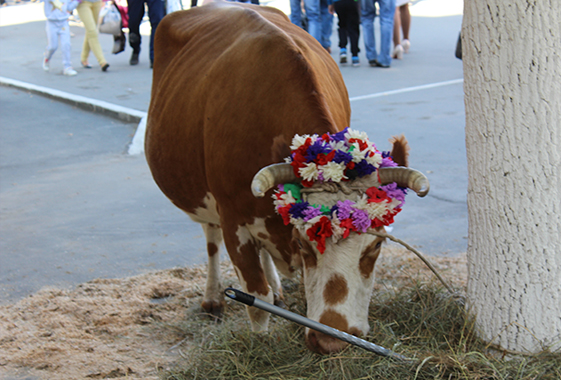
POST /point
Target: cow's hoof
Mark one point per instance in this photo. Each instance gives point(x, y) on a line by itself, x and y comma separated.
point(213, 308)
point(279, 301)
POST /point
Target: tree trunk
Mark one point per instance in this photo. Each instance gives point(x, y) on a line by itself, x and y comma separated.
point(512, 84)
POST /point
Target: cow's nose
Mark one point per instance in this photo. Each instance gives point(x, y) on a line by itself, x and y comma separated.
point(323, 344)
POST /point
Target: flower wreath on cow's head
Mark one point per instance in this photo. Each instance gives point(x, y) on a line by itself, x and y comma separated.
point(342, 156)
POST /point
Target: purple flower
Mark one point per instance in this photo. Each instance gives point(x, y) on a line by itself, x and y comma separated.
point(340, 136)
point(298, 209)
point(344, 209)
point(364, 168)
point(318, 147)
point(311, 212)
point(361, 220)
point(341, 156)
point(396, 192)
point(387, 161)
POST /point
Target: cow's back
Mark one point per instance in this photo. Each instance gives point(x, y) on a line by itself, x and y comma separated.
point(228, 79)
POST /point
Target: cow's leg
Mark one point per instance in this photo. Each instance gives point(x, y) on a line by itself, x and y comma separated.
point(213, 302)
point(244, 253)
point(272, 277)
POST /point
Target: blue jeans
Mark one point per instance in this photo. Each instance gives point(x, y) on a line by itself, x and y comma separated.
point(326, 24)
point(368, 12)
point(312, 12)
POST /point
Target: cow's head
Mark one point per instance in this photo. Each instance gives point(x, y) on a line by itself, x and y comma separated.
point(334, 190)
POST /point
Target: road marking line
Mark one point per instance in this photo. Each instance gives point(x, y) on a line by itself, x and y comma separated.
point(407, 89)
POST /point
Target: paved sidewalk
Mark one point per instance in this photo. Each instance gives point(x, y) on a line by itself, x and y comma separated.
point(420, 96)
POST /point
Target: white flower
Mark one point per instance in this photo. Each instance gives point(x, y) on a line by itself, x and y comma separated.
point(285, 199)
point(333, 171)
point(375, 160)
point(309, 172)
point(358, 155)
point(354, 134)
point(338, 231)
point(298, 141)
point(376, 209)
point(338, 145)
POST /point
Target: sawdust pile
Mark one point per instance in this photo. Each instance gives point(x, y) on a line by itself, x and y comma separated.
point(113, 328)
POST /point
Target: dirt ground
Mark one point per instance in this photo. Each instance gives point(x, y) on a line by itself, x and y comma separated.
point(112, 328)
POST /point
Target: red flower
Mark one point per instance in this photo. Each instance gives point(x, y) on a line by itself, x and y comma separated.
point(347, 224)
point(323, 159)
point(283, 212)
point(325, 137)
point(361, 144)
point(351, 166)
point(377, 195)
point(319, 232)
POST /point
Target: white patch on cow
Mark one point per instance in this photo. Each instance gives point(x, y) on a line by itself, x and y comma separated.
point(259, 318)
point(208, 213)
point(258, 232)
point(213, 290)
point(343, 259)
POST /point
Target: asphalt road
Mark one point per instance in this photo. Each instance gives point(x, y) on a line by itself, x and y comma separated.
point(75, 206)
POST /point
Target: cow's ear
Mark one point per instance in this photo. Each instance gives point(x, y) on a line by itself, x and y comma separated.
point(280, 149)
point(400, 150)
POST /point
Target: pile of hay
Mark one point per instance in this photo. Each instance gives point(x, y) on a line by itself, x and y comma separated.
point(150, 327)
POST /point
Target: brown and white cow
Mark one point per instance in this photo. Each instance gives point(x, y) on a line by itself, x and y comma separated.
point(232, 84)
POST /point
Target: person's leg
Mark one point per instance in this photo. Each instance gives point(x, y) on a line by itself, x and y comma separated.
point(314, 22)
point(368, 13)
point(136, 13)
point(353, 26)
point(156, 12)
point(326, 25)
point(65, 46)
point(387, 11)
point(342, 25)
point(405, 18)
point(296, 12)
point(396, 28)
point(405, 26)
point(52, 41)
point(89, 13)
point(84, 10)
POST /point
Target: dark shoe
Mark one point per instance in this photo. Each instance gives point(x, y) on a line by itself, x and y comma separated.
point(105, 67)
point(134, 59)
point(378, 64)
point(373, 62)
point(86, 65)
point(119, 43)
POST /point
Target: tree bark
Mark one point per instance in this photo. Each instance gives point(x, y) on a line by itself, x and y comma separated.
point(512, 85)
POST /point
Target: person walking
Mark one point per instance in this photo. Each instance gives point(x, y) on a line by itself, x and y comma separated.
point(312, 8)
point(156, 12)
point(368, 12)
point(57, 13)
point(88, 10)
point(349, 28)
point(401, 23)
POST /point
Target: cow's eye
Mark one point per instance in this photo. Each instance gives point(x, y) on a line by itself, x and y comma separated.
point(299, 243)
point(378, 245)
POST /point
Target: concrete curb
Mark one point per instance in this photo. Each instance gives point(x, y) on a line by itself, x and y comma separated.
point(93, 105)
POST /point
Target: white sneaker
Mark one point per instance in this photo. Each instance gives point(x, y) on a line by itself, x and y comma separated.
point(69, 71)
point(45, 64)
point(398, 52)
point(406, 45)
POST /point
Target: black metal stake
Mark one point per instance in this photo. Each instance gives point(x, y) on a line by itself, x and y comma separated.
point(250, 300)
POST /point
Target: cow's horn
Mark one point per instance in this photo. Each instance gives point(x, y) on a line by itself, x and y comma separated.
point(272, 175)
point(405, 177)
